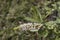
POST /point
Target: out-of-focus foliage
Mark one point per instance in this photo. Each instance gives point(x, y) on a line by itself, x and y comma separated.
point(14, 12)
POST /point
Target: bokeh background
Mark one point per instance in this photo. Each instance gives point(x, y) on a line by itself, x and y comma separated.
point(15, 12)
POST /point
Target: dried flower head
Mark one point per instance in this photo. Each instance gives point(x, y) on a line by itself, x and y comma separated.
point(30, 26)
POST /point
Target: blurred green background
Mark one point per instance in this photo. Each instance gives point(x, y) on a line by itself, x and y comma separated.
point(15, 12)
